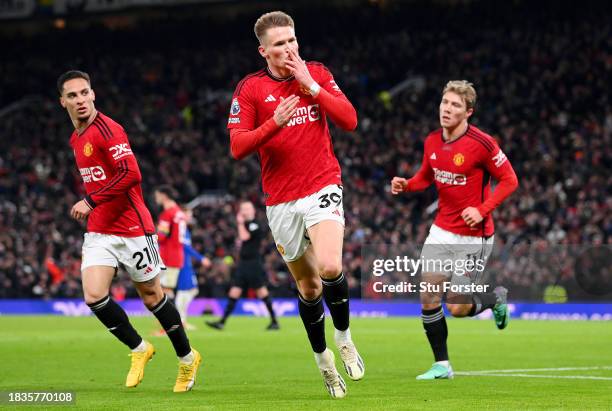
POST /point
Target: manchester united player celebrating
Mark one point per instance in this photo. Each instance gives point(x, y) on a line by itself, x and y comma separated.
point(280, 113)
point(119, 231)
point(460, 159)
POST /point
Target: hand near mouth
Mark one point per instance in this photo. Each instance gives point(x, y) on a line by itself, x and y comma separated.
point(298, 69)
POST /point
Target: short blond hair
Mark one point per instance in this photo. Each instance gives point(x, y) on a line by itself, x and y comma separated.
point(464, 89)
point(269, 20)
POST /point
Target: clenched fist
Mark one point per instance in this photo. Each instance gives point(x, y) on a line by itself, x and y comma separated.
point(398, 185)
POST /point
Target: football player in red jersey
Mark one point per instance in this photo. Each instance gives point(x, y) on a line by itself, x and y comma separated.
point(460, 159)
point(120, 230)
point(281, 113)
point(171, 229)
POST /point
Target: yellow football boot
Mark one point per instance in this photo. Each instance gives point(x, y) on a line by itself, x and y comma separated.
point(187, 373)
point(139, 360)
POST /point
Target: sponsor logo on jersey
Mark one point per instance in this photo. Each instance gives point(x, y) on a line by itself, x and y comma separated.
point(280, 249)
point(235, 108)
point(88, 149)
point(433, 156)
point(120, 150)
point(95, 173)
point(447, 177)
point(458, 159)
point(499, 158)
point(305, 114)
point(313, 112)
point(270, 98)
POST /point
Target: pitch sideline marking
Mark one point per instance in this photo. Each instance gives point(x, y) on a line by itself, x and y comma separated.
point(571, 377)
point(604, 367)
point(520, 373)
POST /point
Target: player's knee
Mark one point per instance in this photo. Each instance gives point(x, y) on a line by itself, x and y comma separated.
point(310, 291)
point(458, 310)
point(430, 306)
point(93, 296)
point(235, 292)
point(311, 294)
point(330, 269)
point(262, 292)
point(150, 298)
point(429, 301)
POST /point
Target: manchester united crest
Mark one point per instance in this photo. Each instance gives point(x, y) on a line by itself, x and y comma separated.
point(458, 159)
point(280, 249)
point(88, 149)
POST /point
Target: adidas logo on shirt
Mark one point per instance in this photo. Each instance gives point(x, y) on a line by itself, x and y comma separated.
point(270, 98)
point(433, 156)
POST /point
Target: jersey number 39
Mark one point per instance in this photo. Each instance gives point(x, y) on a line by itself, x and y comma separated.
point(328, 199)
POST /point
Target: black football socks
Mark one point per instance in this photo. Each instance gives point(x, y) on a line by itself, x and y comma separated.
point(170, 319)
point(434, 323)
point(116, 320)
point(336, 294)
point(313, 316)
point(229, 308)
point(268, 302)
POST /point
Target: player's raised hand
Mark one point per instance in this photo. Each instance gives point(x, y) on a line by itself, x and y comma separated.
point(471, 216)
point(398, 185)
point(285, 110)
point(206, 263)
point(298, 68)
point(80, 210)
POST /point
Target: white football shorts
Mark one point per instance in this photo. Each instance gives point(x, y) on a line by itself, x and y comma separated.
point(289, 221)
point(139, 255)
point(169, 277)
point(457, 255)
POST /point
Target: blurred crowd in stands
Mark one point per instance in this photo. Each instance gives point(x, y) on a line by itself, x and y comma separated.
point(543, 74)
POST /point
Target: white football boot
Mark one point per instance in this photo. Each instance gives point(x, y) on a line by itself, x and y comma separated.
point(331, 378)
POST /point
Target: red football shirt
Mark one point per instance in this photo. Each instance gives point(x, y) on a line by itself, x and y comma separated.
point(171, 236)
point(112, 180)
point(462, 171)
point(298, 159)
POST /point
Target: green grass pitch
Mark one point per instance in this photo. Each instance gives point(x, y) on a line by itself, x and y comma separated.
point(246, 367)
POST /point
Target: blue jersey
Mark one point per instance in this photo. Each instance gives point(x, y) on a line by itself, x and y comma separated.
point(187, 278)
